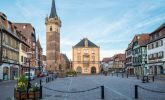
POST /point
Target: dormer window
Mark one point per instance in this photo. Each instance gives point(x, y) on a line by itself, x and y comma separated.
point(86, 43)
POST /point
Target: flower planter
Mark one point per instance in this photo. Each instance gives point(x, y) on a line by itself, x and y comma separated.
point(19, 95)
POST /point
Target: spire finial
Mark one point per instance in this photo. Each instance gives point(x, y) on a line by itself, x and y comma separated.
point(53, 12)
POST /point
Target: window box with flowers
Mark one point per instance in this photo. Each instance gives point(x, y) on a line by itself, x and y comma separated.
point(22, 93)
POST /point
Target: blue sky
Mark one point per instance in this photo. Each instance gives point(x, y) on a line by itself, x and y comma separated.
point(111, 24)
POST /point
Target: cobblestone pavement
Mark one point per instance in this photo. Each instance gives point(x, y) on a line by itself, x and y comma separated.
point(116, 88)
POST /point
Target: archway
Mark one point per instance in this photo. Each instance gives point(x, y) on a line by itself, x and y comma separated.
point(93, 70)
point(5, 73)
point(79, 70)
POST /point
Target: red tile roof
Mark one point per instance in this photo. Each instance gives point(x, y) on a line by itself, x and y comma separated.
point(106, 60)
point(119, 56)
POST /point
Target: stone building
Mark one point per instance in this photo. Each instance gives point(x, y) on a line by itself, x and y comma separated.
point(9, 49)
point(86, 57)
point(65, 63)
point(53, 24)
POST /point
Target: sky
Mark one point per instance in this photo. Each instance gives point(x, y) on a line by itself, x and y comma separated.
point(110, 24)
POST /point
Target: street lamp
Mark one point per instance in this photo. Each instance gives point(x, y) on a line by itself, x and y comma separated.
point(29, 55)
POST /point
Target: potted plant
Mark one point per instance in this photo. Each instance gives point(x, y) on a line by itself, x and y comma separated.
point(21, 91)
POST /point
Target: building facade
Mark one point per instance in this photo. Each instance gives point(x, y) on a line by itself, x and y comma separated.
point(107, 64)
point(139, 53)
point(9, 49)
point(23, 49)
point(39, 56)
point(65, 63)
point(129, 61)
point(156, 50)
point(28, 31)
point(119, 62)
point(86, 57)
point(53, 24)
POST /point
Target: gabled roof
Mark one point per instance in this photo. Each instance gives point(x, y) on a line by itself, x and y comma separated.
point(119, 56)
point(53, 12)
point(82, 43)
point(25, 28)
point(106, 60)
point(142, 39)
point(159, 28)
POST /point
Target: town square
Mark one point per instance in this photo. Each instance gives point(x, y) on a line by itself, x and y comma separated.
point(82, 50)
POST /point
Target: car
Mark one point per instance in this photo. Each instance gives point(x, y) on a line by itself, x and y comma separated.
point(32, 75)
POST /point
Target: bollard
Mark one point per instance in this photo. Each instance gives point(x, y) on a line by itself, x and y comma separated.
point(153, 78)
point(102, 92)
point(136, 91)
point(40, 89)
point(147, 79)
point(127, 75)
point(122, 75)
point(117, 74)
point(112, 74)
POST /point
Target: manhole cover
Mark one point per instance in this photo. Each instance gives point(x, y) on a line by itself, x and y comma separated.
point(58, 96)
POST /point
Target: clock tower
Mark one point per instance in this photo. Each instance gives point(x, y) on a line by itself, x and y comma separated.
point(53, 25)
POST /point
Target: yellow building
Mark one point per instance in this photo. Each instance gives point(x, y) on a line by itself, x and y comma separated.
point(86, 57)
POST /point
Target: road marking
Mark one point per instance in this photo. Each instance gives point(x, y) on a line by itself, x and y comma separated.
point(112, 89)
point(68, 88)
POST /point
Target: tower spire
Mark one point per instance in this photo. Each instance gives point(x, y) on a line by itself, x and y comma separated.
point(53, 12)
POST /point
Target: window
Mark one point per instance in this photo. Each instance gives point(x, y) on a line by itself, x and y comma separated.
point(160, 34)
point(157, 43)
point(93, 51)
point(79, 51)
point(93, 58)
point(85, 50)
point(79, 58)
point(155, 36)
point(50, 28)
point(151, 38)
point(21, 58)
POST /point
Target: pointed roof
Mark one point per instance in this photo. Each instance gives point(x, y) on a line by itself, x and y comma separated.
point(38, 43)
point(53, 12)
point(82, 43)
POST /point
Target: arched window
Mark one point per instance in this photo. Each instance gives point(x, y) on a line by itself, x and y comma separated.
point(50, 28)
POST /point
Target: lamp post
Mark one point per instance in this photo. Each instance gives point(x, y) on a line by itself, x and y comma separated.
point(29, 54)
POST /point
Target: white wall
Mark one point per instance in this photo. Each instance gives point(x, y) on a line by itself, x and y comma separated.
point(156, 50)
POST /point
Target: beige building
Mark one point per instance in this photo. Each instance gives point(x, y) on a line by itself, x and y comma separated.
point(53, 24)
point(86, 57)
